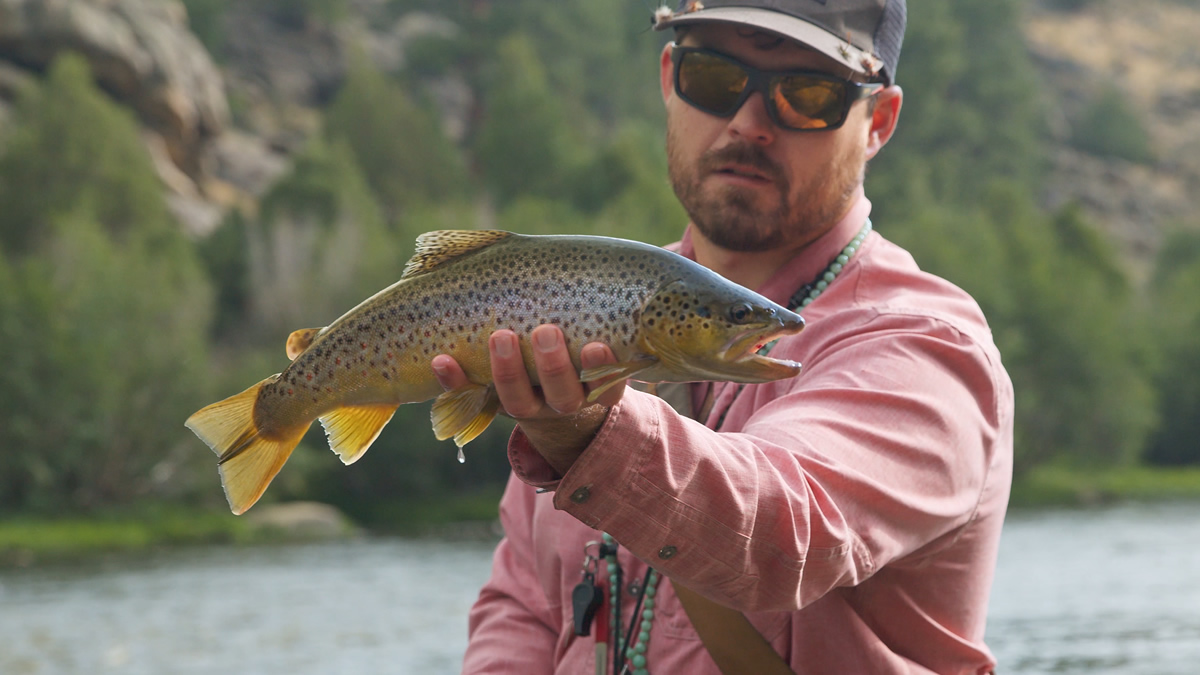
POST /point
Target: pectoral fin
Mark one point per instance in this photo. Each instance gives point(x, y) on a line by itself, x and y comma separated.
point(463, 413)
point(615, 373)
point(352, 429)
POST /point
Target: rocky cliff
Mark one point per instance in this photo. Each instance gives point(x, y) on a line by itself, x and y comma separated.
point(279, 74)
point(1148, 52)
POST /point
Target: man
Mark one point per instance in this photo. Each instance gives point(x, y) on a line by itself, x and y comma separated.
point(843, 521)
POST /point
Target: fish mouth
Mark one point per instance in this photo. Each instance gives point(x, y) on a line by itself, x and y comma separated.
point(743, 348)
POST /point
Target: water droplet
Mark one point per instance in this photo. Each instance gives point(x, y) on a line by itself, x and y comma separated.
point(462, 459)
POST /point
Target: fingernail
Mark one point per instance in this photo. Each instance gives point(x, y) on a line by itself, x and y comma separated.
point(545, 340)
point(504, 345)
point(593, 354)
point(440, 366)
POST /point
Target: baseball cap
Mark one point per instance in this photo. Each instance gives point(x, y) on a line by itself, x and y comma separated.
point(865, 35)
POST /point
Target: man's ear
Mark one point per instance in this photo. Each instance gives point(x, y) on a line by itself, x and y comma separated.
point(666, 74)
point(884, 118)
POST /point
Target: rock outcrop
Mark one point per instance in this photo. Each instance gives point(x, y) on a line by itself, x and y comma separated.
point(143, 54)
point(1147, 51)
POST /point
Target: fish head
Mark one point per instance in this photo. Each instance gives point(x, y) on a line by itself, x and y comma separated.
point(714, 331)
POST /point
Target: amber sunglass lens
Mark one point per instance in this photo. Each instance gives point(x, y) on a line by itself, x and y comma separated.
point(807, 102)
point(711, 83)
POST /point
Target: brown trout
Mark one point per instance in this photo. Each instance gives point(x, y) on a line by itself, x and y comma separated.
point(666, 318)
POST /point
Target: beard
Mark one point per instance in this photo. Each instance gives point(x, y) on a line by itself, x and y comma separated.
point(738, 219)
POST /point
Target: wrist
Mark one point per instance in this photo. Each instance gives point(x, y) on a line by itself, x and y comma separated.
point(561, 440)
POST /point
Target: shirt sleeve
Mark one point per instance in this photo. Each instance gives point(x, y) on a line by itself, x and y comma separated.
point(510, 626)
point(877, 451)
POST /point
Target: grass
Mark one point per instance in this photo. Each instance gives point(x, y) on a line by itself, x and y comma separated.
point(1048, 486)
point(29, 539)
point(25, 539)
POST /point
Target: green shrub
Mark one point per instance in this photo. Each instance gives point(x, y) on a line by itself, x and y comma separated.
point(1111, 127)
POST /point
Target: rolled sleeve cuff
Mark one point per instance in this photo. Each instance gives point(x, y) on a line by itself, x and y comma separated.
point(596, 484)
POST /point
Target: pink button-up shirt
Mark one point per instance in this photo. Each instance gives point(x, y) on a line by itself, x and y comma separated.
point(852, 512)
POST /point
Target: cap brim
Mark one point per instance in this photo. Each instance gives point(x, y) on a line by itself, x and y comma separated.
point(782, 24)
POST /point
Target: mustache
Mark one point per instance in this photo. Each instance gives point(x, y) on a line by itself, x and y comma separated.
point(745, 154)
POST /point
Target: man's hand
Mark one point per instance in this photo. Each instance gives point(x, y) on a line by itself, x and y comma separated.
point(555, 416)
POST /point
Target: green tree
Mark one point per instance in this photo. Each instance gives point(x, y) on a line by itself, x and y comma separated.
point(1110, 127)
point(1174, 288)
point(398, 144)
point(1071, 342)
point(525, 143)
point(53, 164)
point(972, 112)
point(103, 303)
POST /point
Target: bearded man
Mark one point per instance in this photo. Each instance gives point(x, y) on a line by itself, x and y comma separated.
point(843, 521)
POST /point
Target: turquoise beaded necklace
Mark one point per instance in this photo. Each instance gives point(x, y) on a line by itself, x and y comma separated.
point(630, 650)
point(813, 290)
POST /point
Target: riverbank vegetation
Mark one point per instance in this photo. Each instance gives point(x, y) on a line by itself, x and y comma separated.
point(33, 539)
point(116, 326)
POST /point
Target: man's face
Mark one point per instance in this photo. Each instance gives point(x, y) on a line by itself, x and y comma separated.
point(747, 184)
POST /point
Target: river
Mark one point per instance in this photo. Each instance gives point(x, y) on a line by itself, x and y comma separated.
point(1113, 590)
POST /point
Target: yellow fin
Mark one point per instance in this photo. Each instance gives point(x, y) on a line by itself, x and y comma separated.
point(352, 429)
point(442, 246)
point(300, 340)
point(248, 461)
point(619, 372)
point(463, 413)
point(246, 474)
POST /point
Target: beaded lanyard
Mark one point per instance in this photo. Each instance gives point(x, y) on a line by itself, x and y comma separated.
point(628, 651)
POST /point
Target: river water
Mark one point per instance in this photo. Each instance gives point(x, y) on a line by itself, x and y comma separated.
point(1085, 591)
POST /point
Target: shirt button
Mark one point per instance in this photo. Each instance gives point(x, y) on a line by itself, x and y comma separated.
point(581, 495)
point(667, 552)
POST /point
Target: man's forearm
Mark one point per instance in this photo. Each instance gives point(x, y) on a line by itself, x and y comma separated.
point(560, 440)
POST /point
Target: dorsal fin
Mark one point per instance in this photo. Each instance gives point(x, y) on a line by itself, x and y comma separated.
point(300, 340)
point(442, 246)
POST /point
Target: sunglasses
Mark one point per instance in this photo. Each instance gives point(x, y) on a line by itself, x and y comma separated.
point(799, 100)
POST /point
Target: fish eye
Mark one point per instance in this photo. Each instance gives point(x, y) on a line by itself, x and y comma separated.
point(740, 313)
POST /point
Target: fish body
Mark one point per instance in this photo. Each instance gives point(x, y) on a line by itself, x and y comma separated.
point(666, 319)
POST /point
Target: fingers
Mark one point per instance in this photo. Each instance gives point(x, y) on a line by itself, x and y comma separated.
point(448, 373)
point(561, 388)
point(559, 392)
point(516, 393)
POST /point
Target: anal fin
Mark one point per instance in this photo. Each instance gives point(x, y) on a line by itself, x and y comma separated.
point(615, 373)
point(463, 413)
point(352, 429)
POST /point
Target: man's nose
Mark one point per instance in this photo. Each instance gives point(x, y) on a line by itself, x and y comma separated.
point(752, 122)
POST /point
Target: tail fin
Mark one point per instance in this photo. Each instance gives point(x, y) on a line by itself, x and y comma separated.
point(248, 460)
